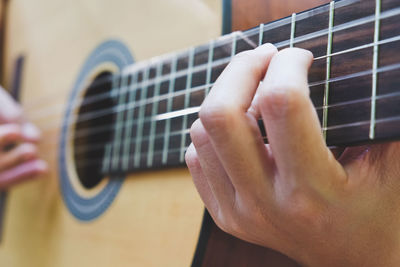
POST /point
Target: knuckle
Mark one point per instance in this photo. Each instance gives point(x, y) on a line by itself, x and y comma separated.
point(224, 221)
point(28, 149)
point(9, 133)
point(217, 116)
point(231, 219)
point(198, 134)
point(305, 210)
point(230, 224)
point(283, 98)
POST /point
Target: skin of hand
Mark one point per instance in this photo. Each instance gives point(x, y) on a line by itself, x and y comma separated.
point(291, 195)
point(19, 160)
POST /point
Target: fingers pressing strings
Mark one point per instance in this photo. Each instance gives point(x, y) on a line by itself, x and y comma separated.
point(292, 125)
point(233, 133)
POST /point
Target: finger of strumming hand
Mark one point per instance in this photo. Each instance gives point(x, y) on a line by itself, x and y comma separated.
point(9, 135)
point(18, 154)
point(10, 111)
point(25, 171)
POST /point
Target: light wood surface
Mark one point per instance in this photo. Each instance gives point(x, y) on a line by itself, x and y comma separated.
point(156, 216)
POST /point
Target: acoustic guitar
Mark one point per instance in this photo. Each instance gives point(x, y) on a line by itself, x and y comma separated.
point(115, 116)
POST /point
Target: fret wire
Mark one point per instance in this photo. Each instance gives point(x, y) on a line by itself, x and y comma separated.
point(292, 29)
point(169, 107)
point(374, 69)
point(186, 104)
point(118, 132)
point(328, 68)
point(106, 158)
point(209, 65)
point(140, 122)
point(154, 112)
point(129, 123)
point(260, 34)
point(114, 88)
point(233, 51)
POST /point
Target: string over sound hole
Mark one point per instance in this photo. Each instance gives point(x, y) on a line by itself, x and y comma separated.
point(93, 130)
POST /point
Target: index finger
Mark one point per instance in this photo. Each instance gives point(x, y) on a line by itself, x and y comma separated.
point(233, 131)
point(11, 112)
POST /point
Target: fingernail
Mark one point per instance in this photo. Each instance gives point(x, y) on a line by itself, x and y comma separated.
point(42, 166)
point(30, 132)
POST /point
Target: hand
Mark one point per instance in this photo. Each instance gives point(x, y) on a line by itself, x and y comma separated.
point(292, 195)
point(18, 152)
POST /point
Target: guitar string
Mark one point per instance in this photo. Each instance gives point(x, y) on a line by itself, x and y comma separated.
point(249, 34)
point(95, 160)
point(128, 106)
point(98, 146)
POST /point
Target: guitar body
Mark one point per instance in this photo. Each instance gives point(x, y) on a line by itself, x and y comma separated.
point(151, 218)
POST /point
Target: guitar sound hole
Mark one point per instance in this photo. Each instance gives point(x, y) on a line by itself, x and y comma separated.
point(93, 130)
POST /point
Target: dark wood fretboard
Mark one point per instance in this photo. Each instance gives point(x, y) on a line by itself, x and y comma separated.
point(353, 82)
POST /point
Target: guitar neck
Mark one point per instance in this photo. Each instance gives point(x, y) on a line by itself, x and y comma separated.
point(353, 82)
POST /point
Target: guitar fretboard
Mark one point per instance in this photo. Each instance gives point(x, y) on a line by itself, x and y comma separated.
point(353, 83)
